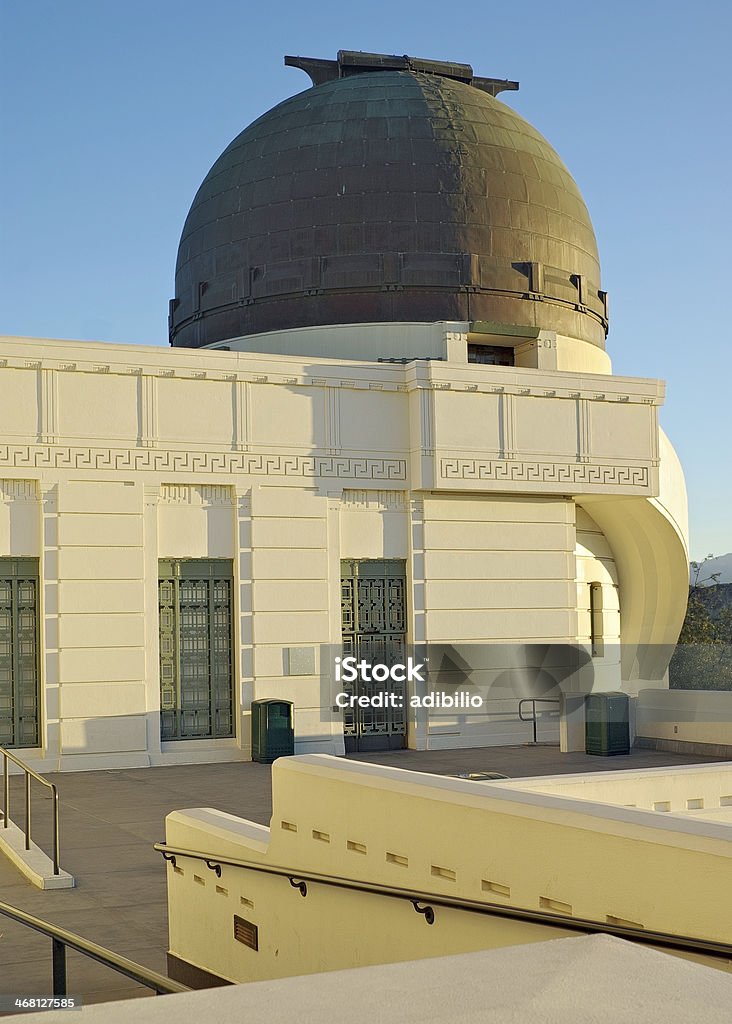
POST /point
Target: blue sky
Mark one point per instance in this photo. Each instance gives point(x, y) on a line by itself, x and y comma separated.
point(113, 112)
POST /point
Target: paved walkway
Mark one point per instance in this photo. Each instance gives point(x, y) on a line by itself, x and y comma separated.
point(110, 820)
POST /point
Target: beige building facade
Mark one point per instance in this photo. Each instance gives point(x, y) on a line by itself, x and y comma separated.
point(505, 493)
point(387, 426)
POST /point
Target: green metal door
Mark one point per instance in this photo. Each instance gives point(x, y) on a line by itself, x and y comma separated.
point(196, 666)
point(373, 627)
point(19, 690)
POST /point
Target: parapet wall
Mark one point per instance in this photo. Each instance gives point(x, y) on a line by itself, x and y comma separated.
point(686, 720)
point(436, 836)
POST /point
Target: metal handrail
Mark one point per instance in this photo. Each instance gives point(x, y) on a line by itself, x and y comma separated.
point(29, 774)
point(534, 701)
point(424, 902)
point(61, 938)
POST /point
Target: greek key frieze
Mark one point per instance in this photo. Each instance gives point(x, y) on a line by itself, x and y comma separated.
point(545, 472)
point(169, 461)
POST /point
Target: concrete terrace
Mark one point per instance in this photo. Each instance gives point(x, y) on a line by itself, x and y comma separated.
point(110, 820)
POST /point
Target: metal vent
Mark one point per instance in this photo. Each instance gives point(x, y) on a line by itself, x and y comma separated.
point(246, 932)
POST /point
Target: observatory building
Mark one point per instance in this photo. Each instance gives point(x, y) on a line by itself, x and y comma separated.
point(387, 423)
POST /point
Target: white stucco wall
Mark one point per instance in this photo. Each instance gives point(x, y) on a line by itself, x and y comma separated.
point(112, 457)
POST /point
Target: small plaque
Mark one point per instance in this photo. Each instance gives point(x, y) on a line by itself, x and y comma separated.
point(300, 661)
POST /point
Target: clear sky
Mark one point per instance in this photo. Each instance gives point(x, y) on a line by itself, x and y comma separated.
point(114, 110)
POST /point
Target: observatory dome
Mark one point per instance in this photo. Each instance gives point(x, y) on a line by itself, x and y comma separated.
point(394, 190)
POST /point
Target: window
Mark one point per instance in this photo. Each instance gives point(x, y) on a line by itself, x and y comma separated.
point(596, 624)
point(19, 697)
point(196, 664)
point(492, 355)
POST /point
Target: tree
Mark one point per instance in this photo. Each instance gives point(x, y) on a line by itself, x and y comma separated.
point(703, 657)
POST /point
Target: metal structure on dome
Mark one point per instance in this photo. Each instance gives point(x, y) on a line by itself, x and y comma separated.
point(396, 189)
point(356, 62)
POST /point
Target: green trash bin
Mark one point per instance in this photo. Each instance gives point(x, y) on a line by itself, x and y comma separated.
point(607, 724)
point(273, 734)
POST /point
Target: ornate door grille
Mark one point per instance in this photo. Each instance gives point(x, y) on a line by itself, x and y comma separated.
point(373, 626)
point(19, 696)
point(196, 684)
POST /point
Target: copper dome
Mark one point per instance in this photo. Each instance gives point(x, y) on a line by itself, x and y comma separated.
point(395, 194)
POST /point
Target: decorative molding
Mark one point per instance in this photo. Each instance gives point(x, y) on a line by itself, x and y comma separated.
point(18, 490)
point(148, 399)
point(242, 415)
point(427, 420)
point(21, 456)
point(507, 420)
point(151, 495)
point(547, 382)
point(332, 420)
point(383, 501)
point(48, 407)
point(584, 430)
point(545, 472)
point(655, 435)
point(195, 494)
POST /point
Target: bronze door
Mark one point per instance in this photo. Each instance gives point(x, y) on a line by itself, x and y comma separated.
point(373, 616)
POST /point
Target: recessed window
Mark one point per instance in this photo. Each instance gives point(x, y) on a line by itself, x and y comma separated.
point(196, 673)
point(491, 355)
point(596, 624)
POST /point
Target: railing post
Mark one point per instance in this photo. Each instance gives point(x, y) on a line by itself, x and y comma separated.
point(6, 791)
point(533, 713)
point(59, 967)
point(54, 797)
point(27, 811)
